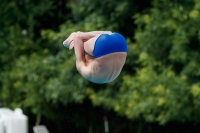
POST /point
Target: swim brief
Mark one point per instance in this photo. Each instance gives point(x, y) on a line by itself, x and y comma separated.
point(107, 44)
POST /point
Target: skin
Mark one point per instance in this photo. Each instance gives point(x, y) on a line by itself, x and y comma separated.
point(98, 70)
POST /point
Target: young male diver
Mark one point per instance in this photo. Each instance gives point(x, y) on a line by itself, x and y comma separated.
point(100, 55)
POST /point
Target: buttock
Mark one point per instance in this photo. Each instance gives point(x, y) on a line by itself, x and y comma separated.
point(109, 43)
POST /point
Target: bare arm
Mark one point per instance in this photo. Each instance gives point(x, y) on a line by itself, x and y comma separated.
point(87, 35)
point(82, 65)
point(79, 47)
point(77, 39)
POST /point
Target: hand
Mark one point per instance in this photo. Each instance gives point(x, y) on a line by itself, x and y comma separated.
point(69, 42)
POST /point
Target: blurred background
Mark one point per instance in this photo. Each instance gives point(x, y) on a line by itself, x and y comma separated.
point(158, 90)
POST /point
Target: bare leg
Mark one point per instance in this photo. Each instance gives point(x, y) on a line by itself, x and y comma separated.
point(101, 32)
point(85, 43)
point(89, 45)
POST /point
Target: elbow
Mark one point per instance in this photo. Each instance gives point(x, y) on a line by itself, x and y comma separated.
point(83, 71)
point(78, 66)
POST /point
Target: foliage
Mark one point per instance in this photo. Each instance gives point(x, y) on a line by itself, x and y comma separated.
point(159, 82)
point(107, 14)
point(163, 88)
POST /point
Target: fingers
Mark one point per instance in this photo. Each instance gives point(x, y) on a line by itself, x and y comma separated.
point(65, 42)
point(69, 40)
point(71, 45)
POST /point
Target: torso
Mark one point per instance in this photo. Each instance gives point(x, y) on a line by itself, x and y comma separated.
point(106, 68)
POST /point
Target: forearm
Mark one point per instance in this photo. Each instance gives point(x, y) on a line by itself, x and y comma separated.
point(83, 36)
point(79, 49)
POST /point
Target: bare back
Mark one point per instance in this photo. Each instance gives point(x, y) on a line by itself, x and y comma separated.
point(106, 68)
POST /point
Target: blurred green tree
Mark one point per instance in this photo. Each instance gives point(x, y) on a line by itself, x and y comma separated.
point(166, 85)
point(160, 80)
point(107, 14)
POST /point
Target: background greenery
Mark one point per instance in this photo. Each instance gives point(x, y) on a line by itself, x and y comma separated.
point(158, 90)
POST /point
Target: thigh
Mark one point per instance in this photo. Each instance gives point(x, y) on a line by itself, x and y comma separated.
point(89, 45)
